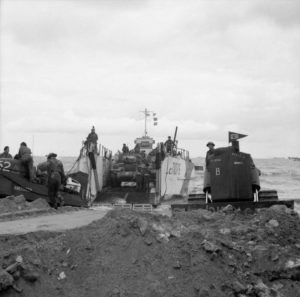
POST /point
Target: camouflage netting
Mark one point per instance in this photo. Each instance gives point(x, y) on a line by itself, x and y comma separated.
point(138, 254)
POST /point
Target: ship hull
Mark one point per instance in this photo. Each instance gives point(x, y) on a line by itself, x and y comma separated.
point(175, 175)
point(14, 184)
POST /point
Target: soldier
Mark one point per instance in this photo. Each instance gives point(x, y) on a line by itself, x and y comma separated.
point(125, 149)
point(139, 179)
point(56, 177)
point(137, 148)
point(91, 141)
point(6, 153)
point(41, 172)
point(26, 158)
point(209, 153)
point(146, 178)
point(169, 145)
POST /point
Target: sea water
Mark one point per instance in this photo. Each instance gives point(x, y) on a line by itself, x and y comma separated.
point(280, 174)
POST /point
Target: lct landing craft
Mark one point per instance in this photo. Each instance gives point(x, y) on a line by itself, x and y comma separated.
point(145, 175)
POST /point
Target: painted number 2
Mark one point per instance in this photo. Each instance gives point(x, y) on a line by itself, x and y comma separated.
point(218, 171)
point(4, 165)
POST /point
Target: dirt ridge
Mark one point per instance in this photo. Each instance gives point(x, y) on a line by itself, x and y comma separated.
point(139, 254)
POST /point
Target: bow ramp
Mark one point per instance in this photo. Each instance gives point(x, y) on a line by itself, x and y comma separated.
point(132, 179)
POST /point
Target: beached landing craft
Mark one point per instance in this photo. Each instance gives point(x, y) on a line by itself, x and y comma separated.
point(145, 176)
point(14, 181)
point(232, 178)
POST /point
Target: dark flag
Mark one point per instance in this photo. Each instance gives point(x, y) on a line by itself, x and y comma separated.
point(235, 136)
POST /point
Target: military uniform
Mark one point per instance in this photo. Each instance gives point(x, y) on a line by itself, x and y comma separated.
point(56, 177)
point(146, 180)
point(169, 145)
point(6, 155)
point(139, 180)
point(91, 141)
point(26, 159)
point(125, 149)
point(210, 153)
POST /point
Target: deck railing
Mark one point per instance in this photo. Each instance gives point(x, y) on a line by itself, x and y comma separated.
point(104, 151)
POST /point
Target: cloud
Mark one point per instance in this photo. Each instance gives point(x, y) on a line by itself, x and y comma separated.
point(282, 13)
point(204, 66)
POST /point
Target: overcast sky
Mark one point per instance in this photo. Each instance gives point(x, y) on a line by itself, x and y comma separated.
point(208, 67)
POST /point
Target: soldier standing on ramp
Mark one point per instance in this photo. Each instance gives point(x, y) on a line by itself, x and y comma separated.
point(91, 141)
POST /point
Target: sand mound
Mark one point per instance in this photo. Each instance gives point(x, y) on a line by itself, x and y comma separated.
point(137, 254)
point(18, 203)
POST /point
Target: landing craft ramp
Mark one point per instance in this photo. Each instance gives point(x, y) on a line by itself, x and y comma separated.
point(124, 195)
point(244, 205)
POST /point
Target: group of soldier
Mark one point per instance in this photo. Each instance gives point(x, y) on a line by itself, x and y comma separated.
point(53, 167)
point(55, 170)
point(169, 145)
point(142, 178)
point(136, 150)
point(24, 155)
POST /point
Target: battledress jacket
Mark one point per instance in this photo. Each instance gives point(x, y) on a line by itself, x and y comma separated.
point(25, 153)
point(54, 165)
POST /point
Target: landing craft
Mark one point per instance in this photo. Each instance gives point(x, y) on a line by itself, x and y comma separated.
point(144, 177)
point(14, 181)
point(232, 178)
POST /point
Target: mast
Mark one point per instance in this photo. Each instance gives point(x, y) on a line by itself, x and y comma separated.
point(147, 114)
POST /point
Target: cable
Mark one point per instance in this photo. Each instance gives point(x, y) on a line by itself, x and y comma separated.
point(166, 177)
point(77, 160)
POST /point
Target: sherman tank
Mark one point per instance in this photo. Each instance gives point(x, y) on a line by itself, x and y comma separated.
point(126, 170)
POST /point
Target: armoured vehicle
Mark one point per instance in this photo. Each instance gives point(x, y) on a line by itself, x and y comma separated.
point(232, 178)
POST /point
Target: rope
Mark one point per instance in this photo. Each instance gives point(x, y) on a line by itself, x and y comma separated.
point(76, 162)
point(166, 177)
point(89, 181)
